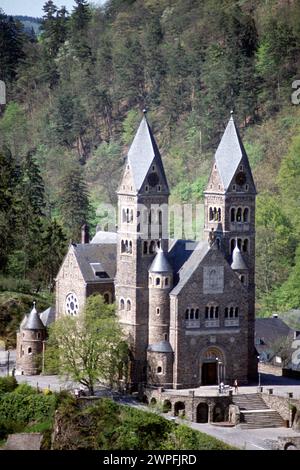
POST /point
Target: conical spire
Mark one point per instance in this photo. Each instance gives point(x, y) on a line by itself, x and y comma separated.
point(230, 154)
point(143, 153)
point(34, 322)
point(160, 263)
point(238, 263)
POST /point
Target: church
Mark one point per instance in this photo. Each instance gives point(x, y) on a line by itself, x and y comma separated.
point(186, 308)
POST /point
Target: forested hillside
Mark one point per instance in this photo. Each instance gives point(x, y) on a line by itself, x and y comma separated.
point(75, 95)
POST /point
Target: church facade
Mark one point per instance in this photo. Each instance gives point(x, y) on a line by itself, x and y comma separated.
point(186, 308)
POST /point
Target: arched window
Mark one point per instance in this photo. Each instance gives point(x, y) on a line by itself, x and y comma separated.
point(206, 312)
point(29, 350)
point(131, 215)
point(211, 312)
point(157, 311)
point(145, 248)
point(157, 281)
point(197, 314)
point(231, 312)
point(38, 335)
point(242, 279)
point(215, 214)
point(236, 312)
point(122, 304)
point(150, 220)
point(226, 312)
point(213, 278)
point(128, 304)
point(239, 214)
point(123, 215)
point(239, 243)
point(160, 224)
point(166, 281)
point(232, 214)
point(211, 214)
point(192, 314)
point(159, 370)
point(130, 247)
point(126, 247)
point(219, 215)
point(216, 312)
point(187, 314)
point(246, 215)
point(245, 245)
point(152, 247)
point(123, 247)
point(232, 245)
point(166, 336)
point(127, 216)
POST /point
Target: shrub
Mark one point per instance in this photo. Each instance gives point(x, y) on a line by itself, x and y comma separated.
point(7, 384)
point(25, 389)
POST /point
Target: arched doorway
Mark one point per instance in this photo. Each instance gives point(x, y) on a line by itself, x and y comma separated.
point(218, 413)
point(179, 408)
point(167, 406)
point(202, 413)
point(153, 402)
point(212, 366)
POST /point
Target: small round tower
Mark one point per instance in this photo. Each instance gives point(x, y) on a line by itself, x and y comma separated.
point(30, 340)
point(160, 353)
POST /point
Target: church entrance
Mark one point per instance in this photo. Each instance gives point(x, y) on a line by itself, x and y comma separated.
point(209, 373)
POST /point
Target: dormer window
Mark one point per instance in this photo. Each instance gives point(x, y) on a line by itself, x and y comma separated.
point(99, 271)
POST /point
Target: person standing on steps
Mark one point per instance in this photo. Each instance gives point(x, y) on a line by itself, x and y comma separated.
point(236, 386)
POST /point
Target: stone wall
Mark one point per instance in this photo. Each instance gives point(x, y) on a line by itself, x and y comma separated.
point(281, 404)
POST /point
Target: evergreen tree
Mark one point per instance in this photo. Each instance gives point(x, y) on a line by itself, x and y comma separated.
point(9, 206)
point(74, 203)
point(12, 40)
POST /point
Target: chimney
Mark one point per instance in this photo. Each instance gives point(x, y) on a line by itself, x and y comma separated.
point(85, 235)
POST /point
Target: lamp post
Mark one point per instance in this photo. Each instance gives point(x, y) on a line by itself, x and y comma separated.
point(259, 374)
point(8, 354)
point(218, 374)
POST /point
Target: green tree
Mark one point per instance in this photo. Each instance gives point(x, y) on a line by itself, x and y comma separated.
point(275, 245)
point(73, 202)
point(90, 346)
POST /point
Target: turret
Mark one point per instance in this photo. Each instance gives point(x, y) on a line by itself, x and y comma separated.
point(238, 264)
point(30, 341)
point(160, 353)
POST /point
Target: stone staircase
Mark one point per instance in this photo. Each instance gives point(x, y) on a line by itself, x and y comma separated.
point(254, 413)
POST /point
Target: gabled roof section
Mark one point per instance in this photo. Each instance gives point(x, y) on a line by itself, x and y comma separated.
point(88, 254)
point(190, 265)
point(230, 154)
point(142, 153)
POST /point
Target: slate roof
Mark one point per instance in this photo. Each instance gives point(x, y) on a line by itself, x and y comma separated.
point(48, 316)
point(179, 252)
point(161, 347)
point(160, 264)
point(190, 265)
point(269, 331)
point(230, 153)
point(141, 154)
point(104, 237)
point(88, 253)
point(238, 262)
point(34, 322)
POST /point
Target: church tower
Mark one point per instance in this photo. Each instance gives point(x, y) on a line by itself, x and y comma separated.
point(142, 229)
point(230, 213)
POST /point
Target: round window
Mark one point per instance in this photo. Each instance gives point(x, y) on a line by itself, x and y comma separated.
point(72, 305)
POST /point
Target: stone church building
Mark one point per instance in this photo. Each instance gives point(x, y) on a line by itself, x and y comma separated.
point(187, 309)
